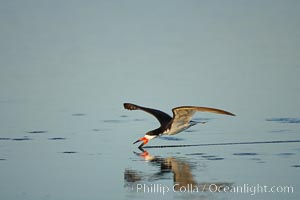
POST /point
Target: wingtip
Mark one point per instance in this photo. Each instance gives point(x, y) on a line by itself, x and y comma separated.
point(232, 114)
point(126, 105)
point(226, 113)
point(129, 106)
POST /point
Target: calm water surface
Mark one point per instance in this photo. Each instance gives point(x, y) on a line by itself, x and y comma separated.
point(98, 160)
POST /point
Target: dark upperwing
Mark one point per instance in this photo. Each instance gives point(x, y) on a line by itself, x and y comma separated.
point(162, 117)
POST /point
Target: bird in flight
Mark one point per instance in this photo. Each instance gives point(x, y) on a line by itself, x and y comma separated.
point(181, 120)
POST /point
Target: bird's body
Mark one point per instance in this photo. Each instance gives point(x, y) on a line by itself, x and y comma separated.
point(181, 120)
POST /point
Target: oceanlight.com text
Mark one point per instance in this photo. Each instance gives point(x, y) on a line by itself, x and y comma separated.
point(251, 189)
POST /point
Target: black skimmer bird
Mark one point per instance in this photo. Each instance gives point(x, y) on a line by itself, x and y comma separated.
point(181, 120)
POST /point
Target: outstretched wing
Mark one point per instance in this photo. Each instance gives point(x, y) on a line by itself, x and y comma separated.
point(188, 111)
point(162, 117)
point(183, 115)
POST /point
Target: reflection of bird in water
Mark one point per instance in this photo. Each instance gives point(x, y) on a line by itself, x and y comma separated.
point(182, 173)
point(182, 119)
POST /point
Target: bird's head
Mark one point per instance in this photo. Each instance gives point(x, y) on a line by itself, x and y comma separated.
point(145, 140)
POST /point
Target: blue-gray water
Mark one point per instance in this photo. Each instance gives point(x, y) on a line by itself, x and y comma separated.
point(66, 68)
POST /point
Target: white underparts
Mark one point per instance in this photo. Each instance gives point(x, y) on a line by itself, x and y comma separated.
point(150, 137)
point(177, 128)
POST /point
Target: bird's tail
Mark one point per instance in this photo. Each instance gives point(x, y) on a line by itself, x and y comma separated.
point(193, 123)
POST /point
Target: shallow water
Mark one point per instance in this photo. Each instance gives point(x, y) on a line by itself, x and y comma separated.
point(101, 163)
point(67, 68)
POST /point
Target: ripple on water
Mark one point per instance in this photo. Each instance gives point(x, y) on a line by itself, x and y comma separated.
point(5, 138)
point(245, 154)
point(139, 120)
point(195, 154)
point(287, 154)
point(281, 131)
point(112, 121)
point(284, 120)
point(57, 138)
point(212, 157)
point(21, 139)
point(217, 158)
point(295, 166)
point(209, 156)
point(171, 138)
point(69, 152)
point(78, 114)
point(100, 129)
point(39, 131)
